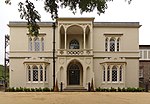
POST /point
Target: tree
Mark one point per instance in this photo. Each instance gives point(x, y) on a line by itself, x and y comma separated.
point(28, 12)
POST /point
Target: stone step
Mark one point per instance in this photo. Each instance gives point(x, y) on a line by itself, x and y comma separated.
point(75, 89)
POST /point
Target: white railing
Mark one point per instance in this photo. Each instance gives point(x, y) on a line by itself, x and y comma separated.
point(75, 52)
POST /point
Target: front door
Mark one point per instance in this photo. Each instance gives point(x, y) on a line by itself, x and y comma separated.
point(74, 75)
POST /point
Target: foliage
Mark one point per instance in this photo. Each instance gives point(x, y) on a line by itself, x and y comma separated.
point(20, 89)
point(28, 12)
point(128, 89)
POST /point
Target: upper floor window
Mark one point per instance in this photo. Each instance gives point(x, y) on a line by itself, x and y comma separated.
point(74, 44)
point(36, 44)
point(112, 44)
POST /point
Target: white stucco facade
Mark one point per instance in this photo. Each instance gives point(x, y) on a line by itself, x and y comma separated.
point(107, 52)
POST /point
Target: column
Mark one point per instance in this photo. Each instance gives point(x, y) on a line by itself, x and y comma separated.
point(43, 75)
point(65, 38)
point(118, 73)
point(123, 74)
point(105, 65)
point(84, 36)
point(111, 73)
point(91, 34)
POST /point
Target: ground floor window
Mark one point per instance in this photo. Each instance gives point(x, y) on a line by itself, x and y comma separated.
point(113, 73)
point(36, 73)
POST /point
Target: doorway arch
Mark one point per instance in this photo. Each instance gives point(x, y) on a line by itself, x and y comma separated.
point(74, 73)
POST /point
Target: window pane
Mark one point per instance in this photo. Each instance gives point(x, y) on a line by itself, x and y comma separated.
point(30, 44)
point(118, 45)
point(37, 44)
point(145, 54)
point(112, 45)
point(74, 44)
point(114, 74)
point(45, 74)
point(103, 73)
point(108, 74)
point(41, 74)
point(42, 44)
point(120, 76)
point(35, 74)
point(106, 44)
point(29, 75)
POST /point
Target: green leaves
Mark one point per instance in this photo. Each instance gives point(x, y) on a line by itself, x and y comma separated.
point(28, 12)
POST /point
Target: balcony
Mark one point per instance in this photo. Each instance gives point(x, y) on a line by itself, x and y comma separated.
point(75, 52)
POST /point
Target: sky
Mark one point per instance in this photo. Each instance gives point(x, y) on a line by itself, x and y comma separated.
point(118, 11)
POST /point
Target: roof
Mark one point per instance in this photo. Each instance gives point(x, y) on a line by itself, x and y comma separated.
point(96, 24)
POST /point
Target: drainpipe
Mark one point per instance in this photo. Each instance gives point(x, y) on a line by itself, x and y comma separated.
point(54, 26)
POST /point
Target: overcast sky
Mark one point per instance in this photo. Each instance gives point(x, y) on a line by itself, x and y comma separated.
point(118, 11)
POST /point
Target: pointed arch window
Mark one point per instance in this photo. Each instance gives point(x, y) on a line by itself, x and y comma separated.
point(41, 73)
point(112, 45)
point(103, 73)
point(42, 44)
point(114, 74)
point(36, 44)
point(29, 73)
point(106, 44)
point(118, 44)
point(30, 44)
point(120, 74)
point(35, 73)
point(74, 44)
point(108, 74)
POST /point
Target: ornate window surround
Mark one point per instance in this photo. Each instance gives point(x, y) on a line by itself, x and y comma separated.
point(36, 43)
point(108, 76)
point(112, 42)
point(39, 69)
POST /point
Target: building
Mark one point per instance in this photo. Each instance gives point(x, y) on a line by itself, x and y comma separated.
point(144, 70)
point(105, 52)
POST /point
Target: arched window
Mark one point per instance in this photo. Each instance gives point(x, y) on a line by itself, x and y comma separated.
point(29, 73)
point(118, 44)
point(74, 67)
point(106, 44)
point(42, 43)
point(36, 44)
point(35, 73)
point(41, 73)
point(30, 44)
point(120, 73)
point(74, 44)
point(114, 74)
point(112, 45)
point(103, 73)
point(108, 74)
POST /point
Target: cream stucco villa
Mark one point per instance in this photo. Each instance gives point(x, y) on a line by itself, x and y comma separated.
point(107, 52)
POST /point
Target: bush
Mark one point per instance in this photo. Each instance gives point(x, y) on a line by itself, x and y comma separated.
point(27, 90)
point(46, 89)
point(129, 89)
point(33, 90)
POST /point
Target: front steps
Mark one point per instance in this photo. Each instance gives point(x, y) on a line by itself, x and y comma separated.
point(75, 89)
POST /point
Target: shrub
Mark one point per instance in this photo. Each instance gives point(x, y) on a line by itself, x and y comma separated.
point(33, 90)
point(27, 90)
point(46, 89)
